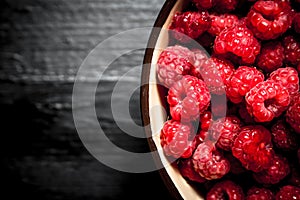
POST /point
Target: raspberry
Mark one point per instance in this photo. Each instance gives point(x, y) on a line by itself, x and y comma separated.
point(224, 131)
point(267, 100)
point(176, 139)
point(288, 192)
point(291, 50)
point(225, 6)
point(189, 25)
point(209, 162)
point(253, 147)
point(288, 77)
point(275, 173)
point(296, 23)
point(242, 80)
point(200, 58)
point(205, 120)
point(282, 137)
point(187, 170)
point(188, 98)
point(271, 56)
point(256, 193)
point(204, 4)
point(225, 190)
point(240, 42)
point(269, 19)
point(294, 177)
point(173, 63)
point(293, 114)
point(221, 22)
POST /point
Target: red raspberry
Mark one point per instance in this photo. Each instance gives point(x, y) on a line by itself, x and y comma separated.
point(282, 137)
point(294, 177)
point(187, 170)
point(189, 25)
point(240, 42)
point(221, 22)
point(296, 23)
point(204, 4)
point(256, 193)
point(200, 58)
point(205, 120)
point(293, 114)
point(242, 80)
point(291, 50)
point(275, 173)
point(188, 98)
point(176, 139)
point(271, 56)
point(267, 100)
point(288, 192)
point(288, 77)
point(209, 162)
point(173, 63)
point(225, 190)
point(253, 147)
point(224, 131)
point(225, 6)
point(269, 19)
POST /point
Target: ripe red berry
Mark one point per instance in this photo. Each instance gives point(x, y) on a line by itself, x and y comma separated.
point(187, 170)
point(225, 6)
point(269, 19)
point(291, 50)
point(296, 23)
point(267, 100)
point(173, 63)
point(225, 190)
point(271, 56)
point(256, 193)
point(253, 147)
point(242, 81)
point(188, 98)
point(239, 42)
point(209, 162)
point(221, 22)
point(288, 192)
point(293, 114)
point(189, 25)
point(176, 139)
point(204, 4)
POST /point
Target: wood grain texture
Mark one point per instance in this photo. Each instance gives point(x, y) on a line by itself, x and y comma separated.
point(43, 43)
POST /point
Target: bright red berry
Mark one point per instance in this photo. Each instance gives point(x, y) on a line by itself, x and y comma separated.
point(225, 190)
point(209, 162)
point(267, 100)
point(189, 25)
point(278, 170)
point(269, 19)
point(187, 170)
point(291, 50)
point(256, 193)
point(200, 59)
point(253, 147)
point(238, 41)
point(188, 98)
point(242, 81)
point(293, 114)
point(221, 22)
point(173, 63)
point(205, 120)
point(176, 139)
point(288, 192)
point(288, 77)
point(296, 23)
point(271, 56)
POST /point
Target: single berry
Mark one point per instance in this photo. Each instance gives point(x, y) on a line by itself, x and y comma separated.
point(173, 63)
point(209, 162)
point(278, 170)
point(253, 148)
point(256, 193)
point(187, 170)
point(271, 56)
point(282, 137)
point(242, 81)
point(238, 41)
point(288, 192)
point(189, 25)
point(269, 19)
point(267, 100)
point(205, 120)
point(188, 98)
point(296, 22)
point(224, 131)
point(291, 50)
point(293, 114)
point(288, 77)
point(225, 190)
point(221, 22)
point(176, 139)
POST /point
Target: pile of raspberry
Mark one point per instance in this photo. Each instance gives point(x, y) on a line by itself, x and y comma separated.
point(233, 107)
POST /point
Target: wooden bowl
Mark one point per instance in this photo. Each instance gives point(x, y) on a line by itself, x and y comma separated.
point(152, 95)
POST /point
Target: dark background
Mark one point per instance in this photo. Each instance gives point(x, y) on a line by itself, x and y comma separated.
point(43, 43)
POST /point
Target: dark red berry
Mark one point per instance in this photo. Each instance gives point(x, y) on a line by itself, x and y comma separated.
point(291, 50)
point(225, 6)
point(256, 193)
point(253, 147)
point(296, 22)
point(293, 114)
point(225, 190)
point(221, 22)
point(206, 40)
point(204, 4)
point(288, 192)
point(187, 170)
point(236, 166)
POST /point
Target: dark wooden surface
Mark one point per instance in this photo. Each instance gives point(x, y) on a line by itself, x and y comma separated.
point(43, 43)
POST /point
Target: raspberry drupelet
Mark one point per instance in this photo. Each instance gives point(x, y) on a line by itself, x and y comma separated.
point(225, 190)
point(256, 193)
